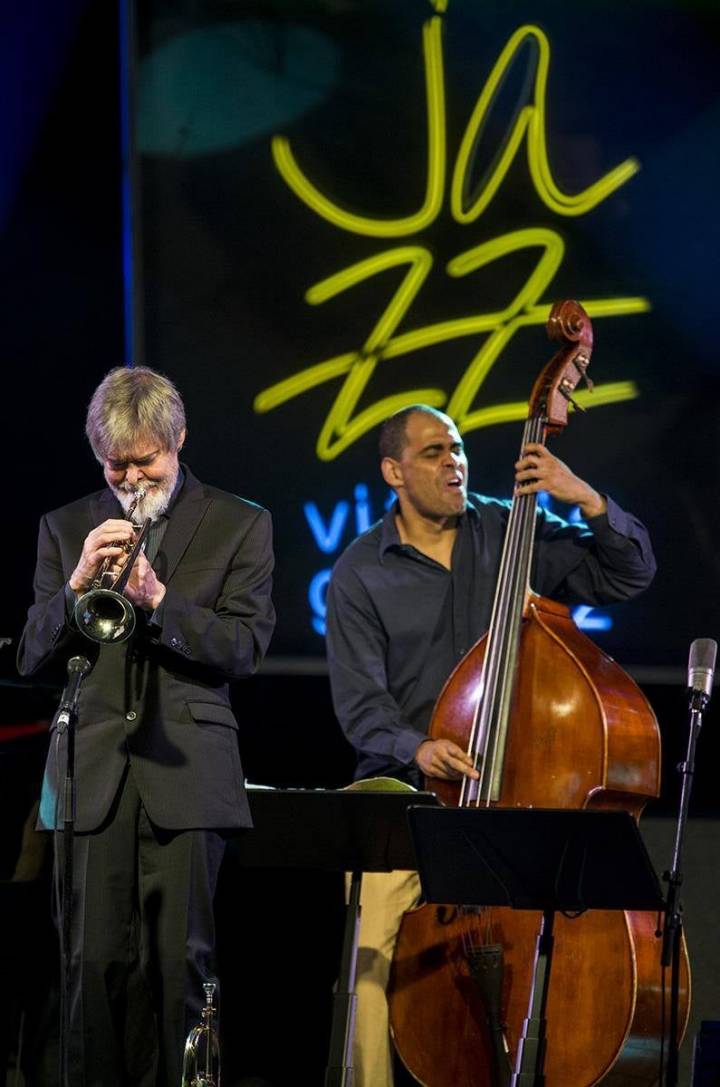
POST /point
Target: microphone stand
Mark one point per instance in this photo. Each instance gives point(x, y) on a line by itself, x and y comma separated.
point(673, 925)
point(78, 668)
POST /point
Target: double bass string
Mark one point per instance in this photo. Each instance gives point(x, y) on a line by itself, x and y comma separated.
point(475, 923)
point(497, 687)
point(481, 728)
point(497, 684)
point(524, 507)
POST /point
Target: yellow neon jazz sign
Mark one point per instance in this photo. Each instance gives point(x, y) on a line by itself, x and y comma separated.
point(355, 368)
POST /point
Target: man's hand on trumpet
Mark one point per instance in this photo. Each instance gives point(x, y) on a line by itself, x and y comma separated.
point(143, 587)
point(105, 541)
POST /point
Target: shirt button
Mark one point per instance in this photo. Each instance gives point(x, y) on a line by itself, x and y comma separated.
point(130, 716)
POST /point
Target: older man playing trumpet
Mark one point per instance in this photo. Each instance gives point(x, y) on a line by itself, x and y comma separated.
point(158, 772)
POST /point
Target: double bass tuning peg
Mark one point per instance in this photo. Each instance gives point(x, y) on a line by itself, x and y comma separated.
point(565, 389)
point(581, 363)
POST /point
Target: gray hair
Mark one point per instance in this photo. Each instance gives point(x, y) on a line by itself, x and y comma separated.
point(132, 404)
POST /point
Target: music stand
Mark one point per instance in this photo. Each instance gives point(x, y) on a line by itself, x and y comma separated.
point(534, 859)
point(334, 830)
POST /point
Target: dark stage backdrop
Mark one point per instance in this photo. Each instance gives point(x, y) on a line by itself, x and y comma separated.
point(61, 287)
point(348, 206)
point(230, 252)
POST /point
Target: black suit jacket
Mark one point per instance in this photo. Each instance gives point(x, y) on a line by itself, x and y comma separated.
point(160, 699)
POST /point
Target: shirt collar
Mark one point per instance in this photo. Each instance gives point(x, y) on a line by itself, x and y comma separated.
point(390, 537)
point(176, 491)
point(165, 517)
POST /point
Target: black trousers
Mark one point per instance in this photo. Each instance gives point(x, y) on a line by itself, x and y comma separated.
point(142, 946)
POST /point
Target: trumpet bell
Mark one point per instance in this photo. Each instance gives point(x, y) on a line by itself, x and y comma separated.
point(105, 616)
point(201, 1060)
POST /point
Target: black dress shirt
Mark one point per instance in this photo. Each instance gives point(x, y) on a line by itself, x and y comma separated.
point(398, 622)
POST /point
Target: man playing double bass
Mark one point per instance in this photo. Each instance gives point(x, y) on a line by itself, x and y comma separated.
point(408, 599)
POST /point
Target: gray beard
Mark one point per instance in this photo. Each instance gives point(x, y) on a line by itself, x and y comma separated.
point(155, 502)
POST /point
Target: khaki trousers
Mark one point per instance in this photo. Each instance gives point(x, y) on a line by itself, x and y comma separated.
point(384, 898)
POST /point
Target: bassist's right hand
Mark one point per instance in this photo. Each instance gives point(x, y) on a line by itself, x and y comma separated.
point(444, 759)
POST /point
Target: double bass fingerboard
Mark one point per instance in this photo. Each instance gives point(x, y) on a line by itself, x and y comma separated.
point(497, 683)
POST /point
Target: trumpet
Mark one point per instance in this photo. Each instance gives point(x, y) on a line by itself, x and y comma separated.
point(103, 614)
point(201, 1059)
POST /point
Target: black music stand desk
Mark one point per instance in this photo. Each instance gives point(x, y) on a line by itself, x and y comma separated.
point(334, 830)
point(534, 859)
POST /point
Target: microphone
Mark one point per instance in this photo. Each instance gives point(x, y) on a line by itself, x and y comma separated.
point(78, 668)
point(701, 667)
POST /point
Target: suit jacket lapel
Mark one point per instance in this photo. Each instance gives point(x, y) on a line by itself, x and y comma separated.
point(186, 517)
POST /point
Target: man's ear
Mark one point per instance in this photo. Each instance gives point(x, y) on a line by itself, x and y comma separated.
point(391, 472)
point(181, 439)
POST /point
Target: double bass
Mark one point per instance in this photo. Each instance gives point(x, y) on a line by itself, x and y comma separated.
point(550, 722)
